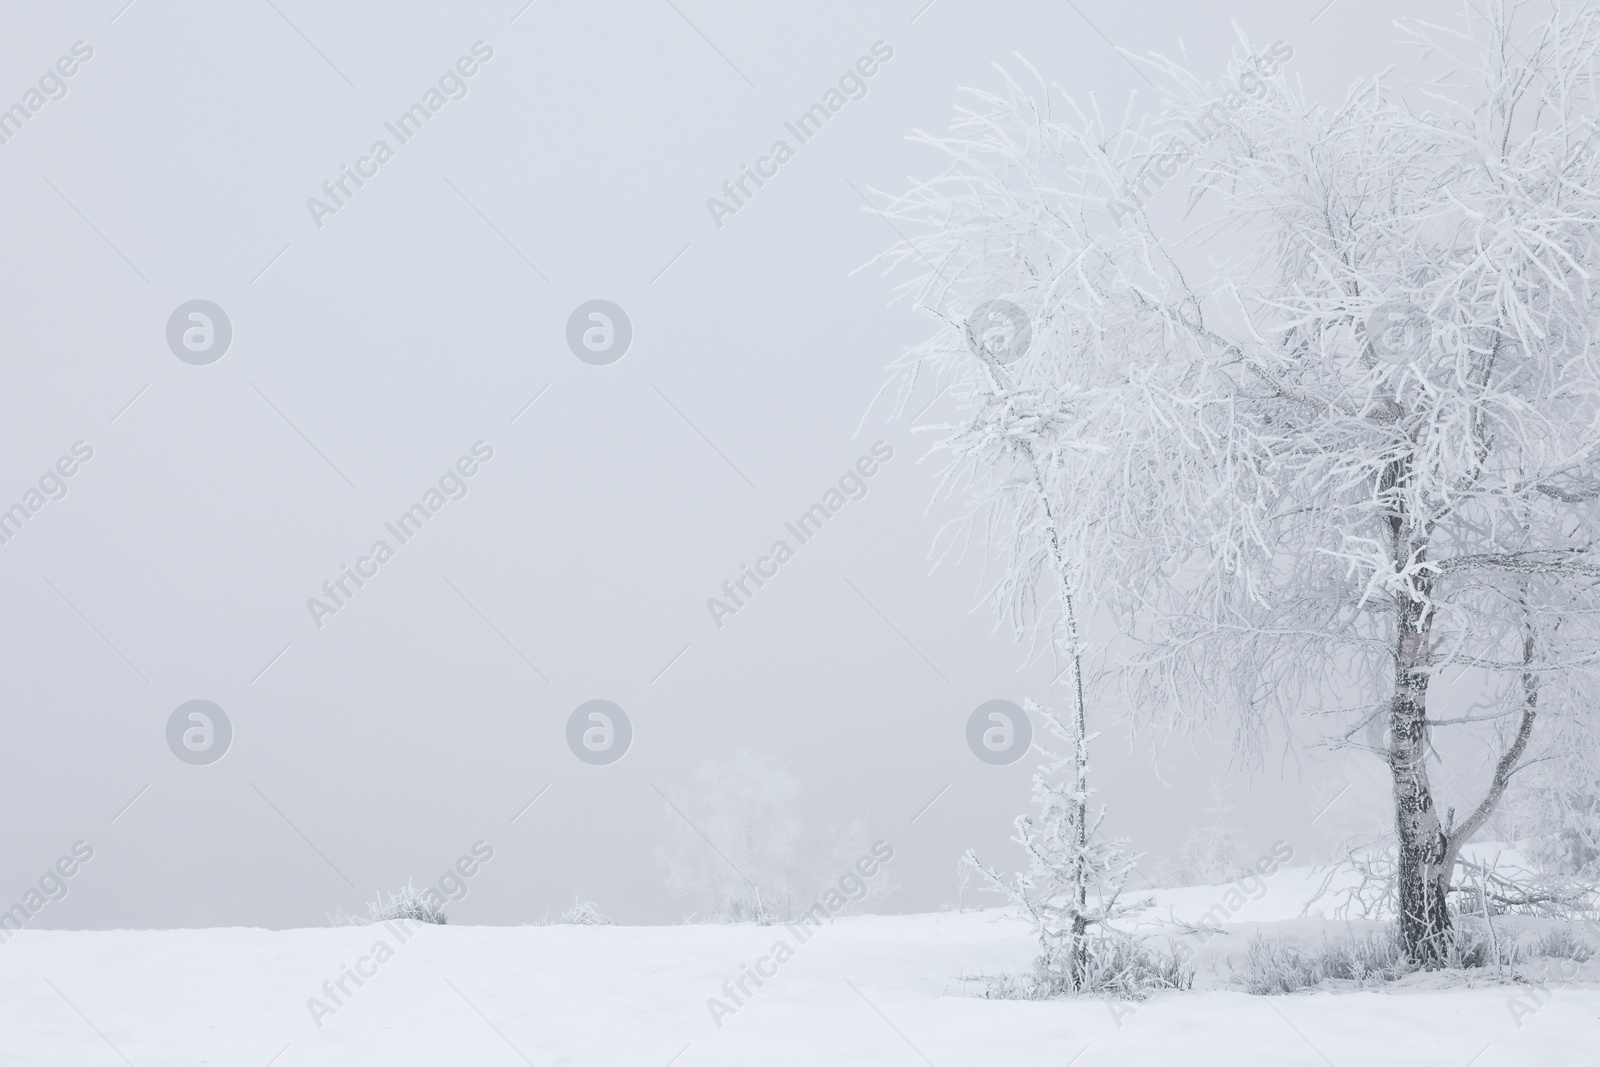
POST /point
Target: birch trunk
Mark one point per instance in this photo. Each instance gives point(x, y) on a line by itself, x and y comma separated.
point(1424, 852)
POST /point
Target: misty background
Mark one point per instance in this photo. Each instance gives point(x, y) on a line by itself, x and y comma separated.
point(424, 316)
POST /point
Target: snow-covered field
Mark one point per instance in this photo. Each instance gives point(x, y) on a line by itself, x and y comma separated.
point(870, 990)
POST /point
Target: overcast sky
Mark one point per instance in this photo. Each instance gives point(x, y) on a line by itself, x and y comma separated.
point(380, 337)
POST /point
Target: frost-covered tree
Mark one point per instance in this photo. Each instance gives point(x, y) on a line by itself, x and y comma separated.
point(739, 848)
point(735, 840)
point(1072, 889)
point(1213, 853)
point(1002, 456)
point(1312, 393)
point(838, 851)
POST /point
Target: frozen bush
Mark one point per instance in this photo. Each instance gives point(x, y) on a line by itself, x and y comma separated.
point(584, 913)
point(1118, 966)
point(1273, 967)
point(409, 903)
point(1561, 943)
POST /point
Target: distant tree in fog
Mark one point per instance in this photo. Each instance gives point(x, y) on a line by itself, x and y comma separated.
point(735, 840)
point(1213, 853)
point(739, 849)
point(837, 855)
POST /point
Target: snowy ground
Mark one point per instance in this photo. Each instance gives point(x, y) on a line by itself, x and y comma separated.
point(872, 990)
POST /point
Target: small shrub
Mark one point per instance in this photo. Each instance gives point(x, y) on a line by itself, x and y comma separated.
point(583, 913)
point(409, 903)
point(1562, 944)
point(1473, 944)
point(1272, 967)
point(1368, 960)
point(1119, 966)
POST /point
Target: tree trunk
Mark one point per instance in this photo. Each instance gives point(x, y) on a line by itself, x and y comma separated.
point(1080, 730)
point(1078, 962)
point(1424, 853)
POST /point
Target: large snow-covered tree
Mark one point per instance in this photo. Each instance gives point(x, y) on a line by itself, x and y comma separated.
point(1306, 398)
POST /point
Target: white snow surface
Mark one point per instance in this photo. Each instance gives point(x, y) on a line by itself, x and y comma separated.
point(876, 990)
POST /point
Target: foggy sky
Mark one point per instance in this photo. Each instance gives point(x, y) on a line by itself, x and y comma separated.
point(425, 321)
